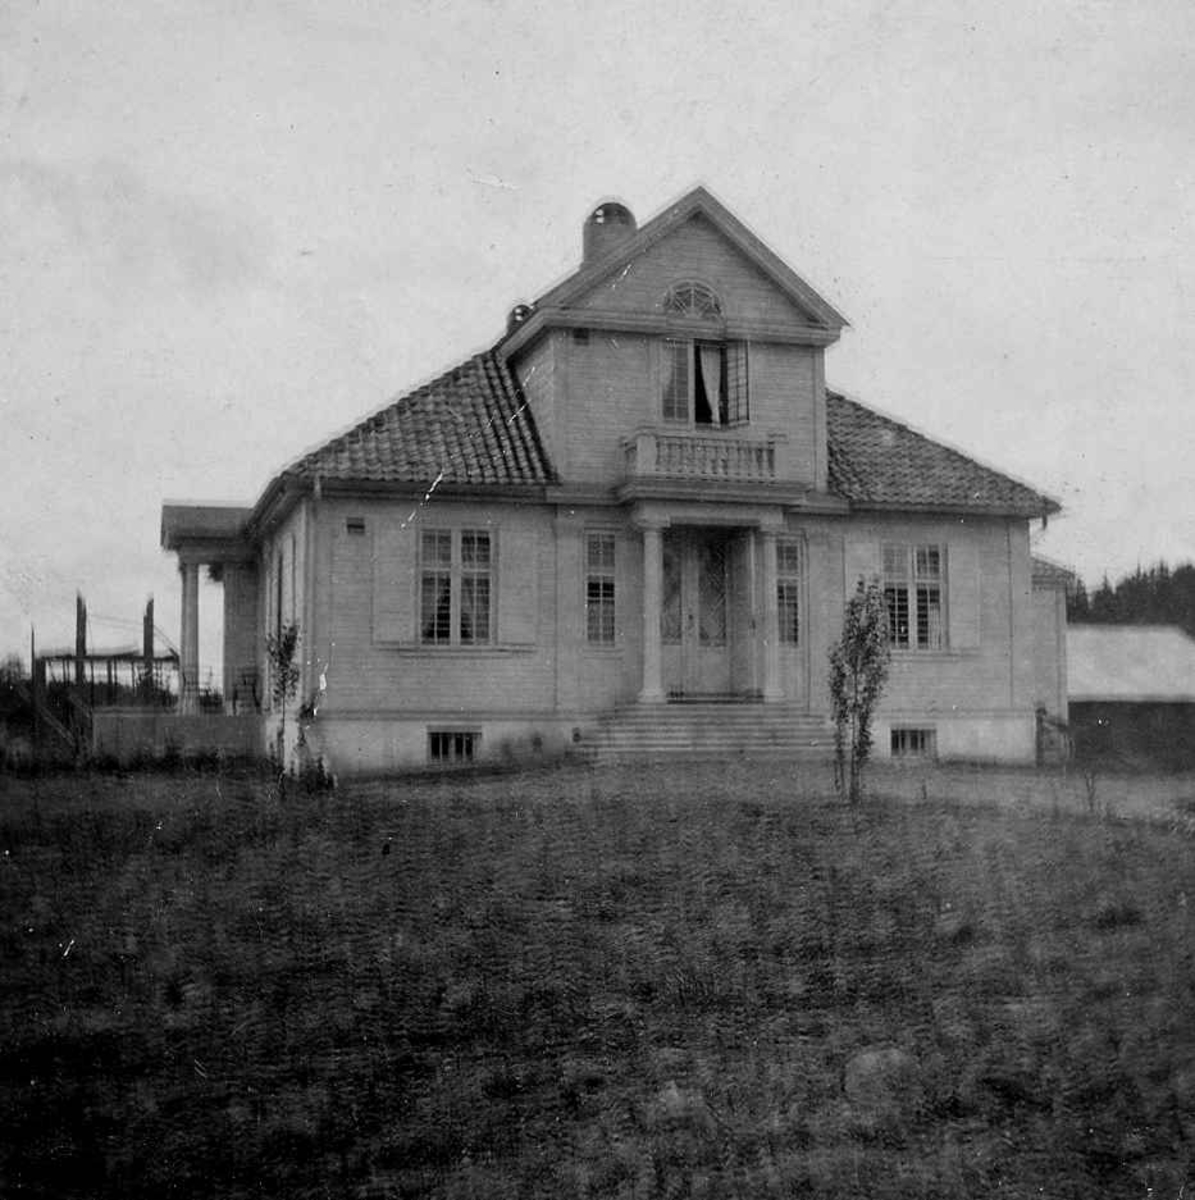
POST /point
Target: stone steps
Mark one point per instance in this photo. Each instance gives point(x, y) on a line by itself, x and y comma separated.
point(710, 729)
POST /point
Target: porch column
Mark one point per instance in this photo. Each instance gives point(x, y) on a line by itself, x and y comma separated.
point(771, 617)
point(188, 642)
point(653, 554)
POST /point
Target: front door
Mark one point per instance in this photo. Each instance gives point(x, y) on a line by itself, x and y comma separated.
point(694, 623)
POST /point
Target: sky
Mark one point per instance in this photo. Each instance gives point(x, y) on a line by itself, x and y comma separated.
point(232, 229)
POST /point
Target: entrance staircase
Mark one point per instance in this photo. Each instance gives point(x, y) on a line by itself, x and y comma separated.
point(710, 729)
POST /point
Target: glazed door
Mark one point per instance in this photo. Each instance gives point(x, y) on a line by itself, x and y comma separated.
point(694, 616)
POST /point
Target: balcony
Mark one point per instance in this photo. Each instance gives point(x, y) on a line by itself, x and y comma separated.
point(704, 457)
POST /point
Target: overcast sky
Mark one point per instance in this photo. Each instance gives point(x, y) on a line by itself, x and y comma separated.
point(231, 229)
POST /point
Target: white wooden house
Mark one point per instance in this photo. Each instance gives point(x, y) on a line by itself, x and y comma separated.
point(640, 511)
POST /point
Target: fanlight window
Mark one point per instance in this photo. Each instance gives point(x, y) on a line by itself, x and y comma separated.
point(691, 299)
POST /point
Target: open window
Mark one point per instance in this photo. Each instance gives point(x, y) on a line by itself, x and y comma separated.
point(704, 382)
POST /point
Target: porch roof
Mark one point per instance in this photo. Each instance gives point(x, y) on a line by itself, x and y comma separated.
point(202, 524)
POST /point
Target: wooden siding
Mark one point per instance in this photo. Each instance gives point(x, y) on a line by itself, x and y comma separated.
point(696, 251)
point(611, 390)
point(286, 549)
point(782, 390)
point(536, 372)
point(1049, 650)
point(372, 673)
point(995, 672)
point(611, 386)
point(592, 678)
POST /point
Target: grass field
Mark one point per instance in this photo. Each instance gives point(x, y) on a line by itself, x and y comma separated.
point(702, 981)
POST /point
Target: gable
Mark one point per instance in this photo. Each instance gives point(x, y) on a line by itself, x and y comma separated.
point(695, 251)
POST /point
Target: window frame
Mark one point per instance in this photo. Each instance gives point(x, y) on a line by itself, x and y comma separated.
point(605, 603)
point(916, 742)
point(908, 584)
point(734, 408)
point(469, 741)
point(789, 580)
point(466, 574)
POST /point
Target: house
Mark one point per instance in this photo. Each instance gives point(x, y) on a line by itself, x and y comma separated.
point(641, 509)
point(1132, 694)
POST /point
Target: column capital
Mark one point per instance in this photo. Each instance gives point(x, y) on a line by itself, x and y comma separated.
point(649, 516)
point(647, 524)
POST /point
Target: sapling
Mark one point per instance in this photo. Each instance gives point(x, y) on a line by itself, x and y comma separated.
point(858, 671)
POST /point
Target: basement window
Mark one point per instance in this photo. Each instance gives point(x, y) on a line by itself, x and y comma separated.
point(581, 337)
point(446, 747)
point(913, 743)
point(355, 526)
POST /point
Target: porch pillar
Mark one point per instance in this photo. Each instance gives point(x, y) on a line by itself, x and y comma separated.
point(771, 617)
point(653, 555)
point(188, 643)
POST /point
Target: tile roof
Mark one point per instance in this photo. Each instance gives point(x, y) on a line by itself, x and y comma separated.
point(1050, 574)
point(876, 462)
point(469, 426)
point(473, 426)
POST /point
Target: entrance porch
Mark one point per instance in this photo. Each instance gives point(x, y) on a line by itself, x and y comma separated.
point(711, 611)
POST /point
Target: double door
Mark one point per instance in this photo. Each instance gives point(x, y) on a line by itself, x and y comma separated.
point(696, 610)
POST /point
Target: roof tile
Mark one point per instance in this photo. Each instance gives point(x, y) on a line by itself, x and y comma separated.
point(471, 425)
point(876, 462)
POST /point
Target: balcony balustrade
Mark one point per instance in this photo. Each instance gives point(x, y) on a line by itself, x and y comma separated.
point(705, 457)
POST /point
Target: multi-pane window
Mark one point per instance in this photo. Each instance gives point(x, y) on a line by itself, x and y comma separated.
point(475, 587)
point(705, 383)
point(455, 587)
point(599, 588)
point(913, 584)
point(788, 590)
point(912, 743)
point(691, 299)
point(446, 746)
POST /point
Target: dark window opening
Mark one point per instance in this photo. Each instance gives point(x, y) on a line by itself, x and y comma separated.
point(447, 746)
point(912, 743)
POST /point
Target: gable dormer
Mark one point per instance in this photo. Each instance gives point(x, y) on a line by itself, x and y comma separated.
point(684, 329)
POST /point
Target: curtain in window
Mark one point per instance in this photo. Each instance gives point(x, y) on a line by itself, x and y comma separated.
point(711, 377)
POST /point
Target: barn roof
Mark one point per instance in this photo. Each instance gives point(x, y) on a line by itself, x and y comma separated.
point(1139, 663)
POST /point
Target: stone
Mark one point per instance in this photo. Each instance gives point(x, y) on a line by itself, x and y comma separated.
point(883, 1085)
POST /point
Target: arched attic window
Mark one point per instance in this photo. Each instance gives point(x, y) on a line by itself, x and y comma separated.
point(692, 299)
point(704, 376)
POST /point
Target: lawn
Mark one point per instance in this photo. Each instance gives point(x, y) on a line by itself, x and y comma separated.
point(703, 981)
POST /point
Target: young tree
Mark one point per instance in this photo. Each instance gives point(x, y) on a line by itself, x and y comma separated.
point(284, 675)
point(858, 672)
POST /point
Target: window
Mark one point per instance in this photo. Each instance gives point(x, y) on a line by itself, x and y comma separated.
point(355, 526)
point(913, 593)
point(278, 575)
point(455, 587)
point(599, 588)
point(691, 299)
point(448, 746)
point(705, 383)
point(912, 743)
point(788, 591)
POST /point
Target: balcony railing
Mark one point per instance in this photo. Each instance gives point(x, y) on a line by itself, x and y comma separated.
point(693, 456)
